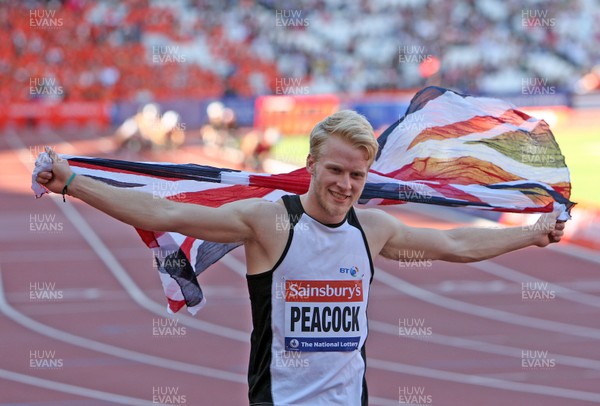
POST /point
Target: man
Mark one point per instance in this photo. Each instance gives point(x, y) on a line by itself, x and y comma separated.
point(309, 260)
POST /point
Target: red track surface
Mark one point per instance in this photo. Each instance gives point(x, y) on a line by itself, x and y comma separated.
point(96, 345)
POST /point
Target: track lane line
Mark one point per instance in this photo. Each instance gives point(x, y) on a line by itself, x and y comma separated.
point(510, 274)
point(109, 349)
point(481, 311)
point(478, 380)
point(72, 389)
point(482, 346)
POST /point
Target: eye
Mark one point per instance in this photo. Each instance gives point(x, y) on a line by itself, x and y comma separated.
point(335, 170)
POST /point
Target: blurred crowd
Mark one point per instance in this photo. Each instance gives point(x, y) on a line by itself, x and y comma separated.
point(146, 50)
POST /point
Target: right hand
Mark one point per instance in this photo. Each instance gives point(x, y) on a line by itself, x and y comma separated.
point(55, 179)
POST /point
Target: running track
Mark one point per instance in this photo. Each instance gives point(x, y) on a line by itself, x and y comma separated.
point(94, 343)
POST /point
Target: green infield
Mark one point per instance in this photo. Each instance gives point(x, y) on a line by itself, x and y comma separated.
point(291, 149)
point(580, 144)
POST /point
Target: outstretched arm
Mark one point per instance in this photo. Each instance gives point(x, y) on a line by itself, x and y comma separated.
point(228, 223)
point(468, 244)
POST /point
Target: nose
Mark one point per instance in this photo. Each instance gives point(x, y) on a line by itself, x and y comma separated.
point(344, 182)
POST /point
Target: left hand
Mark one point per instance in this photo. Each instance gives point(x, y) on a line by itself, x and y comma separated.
point(549, 229)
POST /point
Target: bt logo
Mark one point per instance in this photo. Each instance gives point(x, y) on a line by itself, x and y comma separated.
point(352, 271)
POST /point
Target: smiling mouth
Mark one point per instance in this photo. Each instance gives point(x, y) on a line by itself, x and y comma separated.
point(338, 196)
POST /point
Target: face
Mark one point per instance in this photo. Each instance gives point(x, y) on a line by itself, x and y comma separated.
point(338, 178)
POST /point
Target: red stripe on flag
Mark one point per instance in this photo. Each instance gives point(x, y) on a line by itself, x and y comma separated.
point(175, 305)
point(219, 196)
point(294, 182)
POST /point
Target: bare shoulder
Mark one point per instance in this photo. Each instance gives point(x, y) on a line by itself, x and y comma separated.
point(269, 234)
point(256, 206)
point(378, 226)
point(374, 218)
point(260, 213)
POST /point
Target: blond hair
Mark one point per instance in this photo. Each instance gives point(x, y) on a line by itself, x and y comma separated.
point(349, 126)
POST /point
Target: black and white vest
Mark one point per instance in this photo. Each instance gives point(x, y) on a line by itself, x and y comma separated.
point(309, 315)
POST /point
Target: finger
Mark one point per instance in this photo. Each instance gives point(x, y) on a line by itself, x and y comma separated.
point(44, 177)
point(52, 154)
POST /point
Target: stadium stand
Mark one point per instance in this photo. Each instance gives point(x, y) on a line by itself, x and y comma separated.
point(143, 50)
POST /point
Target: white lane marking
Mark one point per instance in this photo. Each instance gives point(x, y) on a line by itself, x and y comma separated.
point(484, 312)
point(112, 350)
point(72, 389)
point(481, 346)
point(115, 267)
point(484, 381)
point(238, 267)
point(510, 274)
point(576, 251)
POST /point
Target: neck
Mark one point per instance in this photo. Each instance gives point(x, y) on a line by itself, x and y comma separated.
point(316, 211)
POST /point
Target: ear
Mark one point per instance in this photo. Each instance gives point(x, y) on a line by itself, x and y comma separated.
point(310, 164)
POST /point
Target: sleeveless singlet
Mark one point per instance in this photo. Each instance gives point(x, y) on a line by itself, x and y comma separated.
point(309, 315)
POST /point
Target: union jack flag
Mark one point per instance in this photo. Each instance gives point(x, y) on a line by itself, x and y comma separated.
point(448, 149)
